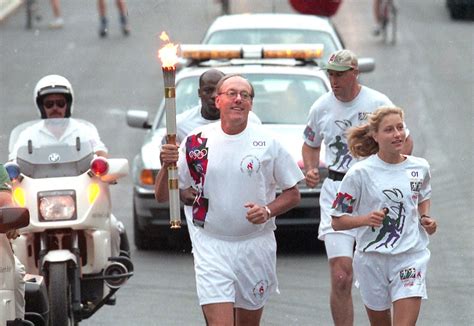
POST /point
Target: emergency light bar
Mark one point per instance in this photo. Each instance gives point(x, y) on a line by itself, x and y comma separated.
point(301, 51)
point(208, 52)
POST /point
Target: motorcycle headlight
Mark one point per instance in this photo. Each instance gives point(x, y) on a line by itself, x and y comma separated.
point(57, 205)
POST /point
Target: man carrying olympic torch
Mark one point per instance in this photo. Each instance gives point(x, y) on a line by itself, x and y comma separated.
point(233, 214)
point(169, 58)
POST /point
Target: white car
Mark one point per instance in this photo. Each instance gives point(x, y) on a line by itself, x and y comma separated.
point(274, 29)
point(284, 92)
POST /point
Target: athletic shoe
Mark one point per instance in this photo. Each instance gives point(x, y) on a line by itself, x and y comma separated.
point(58, 22)
point(103, 29)
point(125, 26)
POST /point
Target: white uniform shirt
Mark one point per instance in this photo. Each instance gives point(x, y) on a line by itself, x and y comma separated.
point(329, 119)
point(373, 184)
point(191, 119)
point(41, 135)
point(230, 171)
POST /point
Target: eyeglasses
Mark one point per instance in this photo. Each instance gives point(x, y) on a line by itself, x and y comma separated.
point(232, 94)
point(48, 104)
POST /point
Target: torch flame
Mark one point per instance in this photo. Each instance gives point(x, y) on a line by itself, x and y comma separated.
point(168, 54)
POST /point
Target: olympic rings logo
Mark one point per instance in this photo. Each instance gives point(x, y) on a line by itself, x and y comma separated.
point(198, 154)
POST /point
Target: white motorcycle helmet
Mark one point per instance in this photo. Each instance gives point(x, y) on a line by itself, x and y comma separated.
point(53, 84)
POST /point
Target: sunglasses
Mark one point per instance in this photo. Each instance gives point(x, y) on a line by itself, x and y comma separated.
point(48, 104)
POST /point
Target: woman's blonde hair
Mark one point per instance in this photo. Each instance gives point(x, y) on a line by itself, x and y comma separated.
point(360, 138)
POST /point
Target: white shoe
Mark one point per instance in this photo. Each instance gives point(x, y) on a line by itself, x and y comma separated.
point(377, 30)
point(57, 23)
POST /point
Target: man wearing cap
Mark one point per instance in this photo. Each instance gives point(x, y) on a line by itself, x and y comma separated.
point(347, 105)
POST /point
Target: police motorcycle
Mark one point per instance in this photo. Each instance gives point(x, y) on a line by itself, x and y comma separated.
point(36, 310)
point(68, 240)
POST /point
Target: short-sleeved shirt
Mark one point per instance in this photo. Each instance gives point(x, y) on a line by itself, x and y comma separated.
point(231, 170)
point(373, 184)
point(41, 135)
point(329, 119)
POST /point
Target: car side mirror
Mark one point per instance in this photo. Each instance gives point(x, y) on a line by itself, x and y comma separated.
point(366, 64)
point(138, 119)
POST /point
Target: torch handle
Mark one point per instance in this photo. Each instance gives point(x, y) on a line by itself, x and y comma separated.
point(175, 206)
point(170, 108)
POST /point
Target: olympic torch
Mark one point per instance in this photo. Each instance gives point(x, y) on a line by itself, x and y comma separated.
point(169, 58)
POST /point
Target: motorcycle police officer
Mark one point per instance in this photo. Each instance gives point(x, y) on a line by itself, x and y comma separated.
point(54, 98)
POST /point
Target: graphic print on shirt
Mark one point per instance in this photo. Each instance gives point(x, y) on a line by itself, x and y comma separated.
point(339, 147)
point(344, 202)
point(250, 164)
point(197, 159)
point(362, 116)
point(309, 133)
point(416, 181)
point(392, 228)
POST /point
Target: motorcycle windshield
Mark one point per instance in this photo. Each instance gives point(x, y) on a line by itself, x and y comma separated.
point(39, 157)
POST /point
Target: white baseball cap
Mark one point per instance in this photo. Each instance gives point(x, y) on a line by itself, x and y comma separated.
point(342, 60)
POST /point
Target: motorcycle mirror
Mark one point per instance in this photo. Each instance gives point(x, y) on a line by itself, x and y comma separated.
point(13, 170)
point(12, 218)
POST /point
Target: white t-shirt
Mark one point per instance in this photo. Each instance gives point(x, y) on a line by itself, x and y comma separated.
point(373, 184)
point(329, 119)
point(67, 130)
point(230, 171)
point(192, 119)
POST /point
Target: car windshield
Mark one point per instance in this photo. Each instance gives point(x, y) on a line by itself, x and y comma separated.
point(279, 98)
point(274, 36)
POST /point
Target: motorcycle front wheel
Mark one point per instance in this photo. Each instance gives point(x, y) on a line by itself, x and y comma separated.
point(60, 297)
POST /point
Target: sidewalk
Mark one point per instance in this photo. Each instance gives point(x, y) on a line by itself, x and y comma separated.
point(7, 7)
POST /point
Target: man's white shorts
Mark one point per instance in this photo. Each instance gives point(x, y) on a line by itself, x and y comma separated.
point(242, 272)
point(339, 245)
point(384, 278)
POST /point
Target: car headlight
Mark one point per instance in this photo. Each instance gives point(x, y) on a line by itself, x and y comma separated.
point(147, 177)
point(57, 205)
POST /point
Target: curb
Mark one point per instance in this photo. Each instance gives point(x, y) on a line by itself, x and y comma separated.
point(7, 7)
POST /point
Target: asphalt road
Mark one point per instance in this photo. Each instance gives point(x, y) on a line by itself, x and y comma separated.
point(429, 73)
